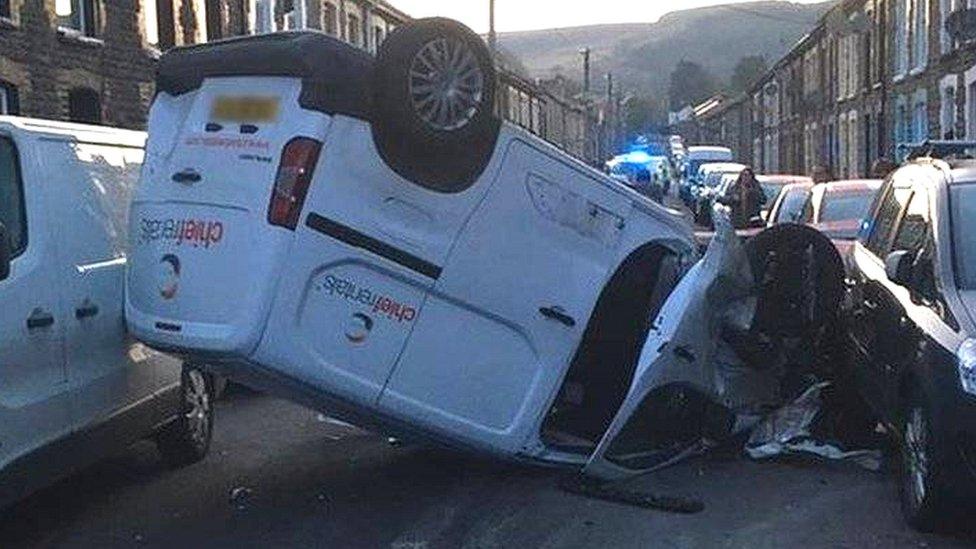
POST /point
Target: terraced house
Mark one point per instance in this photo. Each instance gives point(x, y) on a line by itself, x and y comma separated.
point(871, 79)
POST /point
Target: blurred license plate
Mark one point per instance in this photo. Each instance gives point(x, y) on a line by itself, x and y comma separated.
point(245, 109)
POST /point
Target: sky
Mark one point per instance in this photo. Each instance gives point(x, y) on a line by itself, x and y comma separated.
point(518, 15)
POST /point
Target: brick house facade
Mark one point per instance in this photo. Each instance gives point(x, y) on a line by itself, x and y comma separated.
point(872, 78)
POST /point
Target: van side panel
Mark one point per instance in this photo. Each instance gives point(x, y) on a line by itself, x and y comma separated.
point(369, 248)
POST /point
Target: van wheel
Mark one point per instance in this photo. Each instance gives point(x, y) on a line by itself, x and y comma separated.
point(187, 439)
point(434, 100)
point(922, 482)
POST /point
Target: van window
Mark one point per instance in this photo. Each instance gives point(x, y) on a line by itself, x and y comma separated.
point(110, 174)
point(13, 214)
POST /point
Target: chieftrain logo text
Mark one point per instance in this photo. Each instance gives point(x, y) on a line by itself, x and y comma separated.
point(378, 303)
point(198, 233)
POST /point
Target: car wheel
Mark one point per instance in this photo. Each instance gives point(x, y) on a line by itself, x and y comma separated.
point(187, 439)
point(434, 117)
point(922, 488)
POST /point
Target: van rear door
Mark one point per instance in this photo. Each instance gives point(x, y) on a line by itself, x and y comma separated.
point(206, 249)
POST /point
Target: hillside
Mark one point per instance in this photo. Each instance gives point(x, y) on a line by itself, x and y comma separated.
point(642, 55)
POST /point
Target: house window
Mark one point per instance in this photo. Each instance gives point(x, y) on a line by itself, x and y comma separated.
point(5, 8)
point(902, 127)
point(214, 18)
point(353, 29)
point(330, 19)
point(945, 8)
point(79, 15)
point(378, 36)
point(901, 37)
point(264, 21)
point(84, 105)
point(920, 118)
point(920, 33)
point(8, 99)
point(948, 115)
point(151, 18)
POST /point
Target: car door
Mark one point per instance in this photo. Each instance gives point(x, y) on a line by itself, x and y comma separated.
point(872, 313)
point(33, 401)
point(503, 320)
point(92, 186)
point(899, 332)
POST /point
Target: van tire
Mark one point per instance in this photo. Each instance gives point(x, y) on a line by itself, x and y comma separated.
point(445, 150)
point(186, 440)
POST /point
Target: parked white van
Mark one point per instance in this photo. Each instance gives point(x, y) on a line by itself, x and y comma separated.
point(73, 385)
point(365, 236)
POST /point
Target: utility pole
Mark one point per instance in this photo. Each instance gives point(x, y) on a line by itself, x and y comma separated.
point(585, 52)
point(611, 119)
point(492, 36)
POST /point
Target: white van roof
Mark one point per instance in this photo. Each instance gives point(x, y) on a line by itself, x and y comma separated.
point(69, 130)
point(707, 149)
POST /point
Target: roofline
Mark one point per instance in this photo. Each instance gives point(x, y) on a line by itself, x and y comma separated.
point(73, 130)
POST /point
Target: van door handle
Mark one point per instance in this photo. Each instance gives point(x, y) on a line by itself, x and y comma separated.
point(556, 313)
point(187, 176)
point(39, 319)
point(87, 310)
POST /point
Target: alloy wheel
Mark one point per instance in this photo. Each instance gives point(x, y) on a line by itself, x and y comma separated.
point(447, 85)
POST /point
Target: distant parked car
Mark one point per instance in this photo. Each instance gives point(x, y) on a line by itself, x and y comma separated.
point(911, 289)
point(74, 386)
point(838, 208)
point(695, 157)
point(705, 193)
point(790, 205)
point(773, 184)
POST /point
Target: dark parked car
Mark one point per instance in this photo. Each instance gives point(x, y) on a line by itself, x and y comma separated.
point(912, 290)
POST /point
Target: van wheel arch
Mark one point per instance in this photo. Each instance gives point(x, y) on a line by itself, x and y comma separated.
point(604, 363)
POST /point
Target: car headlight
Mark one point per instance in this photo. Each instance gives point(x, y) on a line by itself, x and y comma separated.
point(966, 356)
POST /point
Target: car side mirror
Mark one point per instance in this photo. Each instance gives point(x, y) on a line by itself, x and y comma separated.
point(5, 252)
point(898, 267)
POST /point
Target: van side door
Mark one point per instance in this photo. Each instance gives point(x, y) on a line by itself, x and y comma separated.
point(499, 329)
point(93, 185)
point(33, 401)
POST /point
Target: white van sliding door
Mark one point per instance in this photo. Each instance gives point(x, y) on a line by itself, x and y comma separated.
point(505, 317)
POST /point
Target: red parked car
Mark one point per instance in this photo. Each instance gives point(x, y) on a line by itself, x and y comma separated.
point(838, 208)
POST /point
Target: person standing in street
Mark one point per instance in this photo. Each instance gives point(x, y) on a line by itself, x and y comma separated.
point(746, 198)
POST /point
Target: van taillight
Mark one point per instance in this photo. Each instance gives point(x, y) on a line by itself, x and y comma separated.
point(298, 161)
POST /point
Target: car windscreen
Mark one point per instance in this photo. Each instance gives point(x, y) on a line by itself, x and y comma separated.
point(771, 190)
point(845, 206)
point(962, 200)
point(791, 210)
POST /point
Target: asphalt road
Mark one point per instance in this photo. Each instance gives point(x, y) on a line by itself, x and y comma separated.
point(280, 476)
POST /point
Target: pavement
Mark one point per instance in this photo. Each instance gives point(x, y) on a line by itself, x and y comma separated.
point(280, 475)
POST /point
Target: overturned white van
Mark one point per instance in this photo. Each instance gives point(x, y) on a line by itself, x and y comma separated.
point(365, 236)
